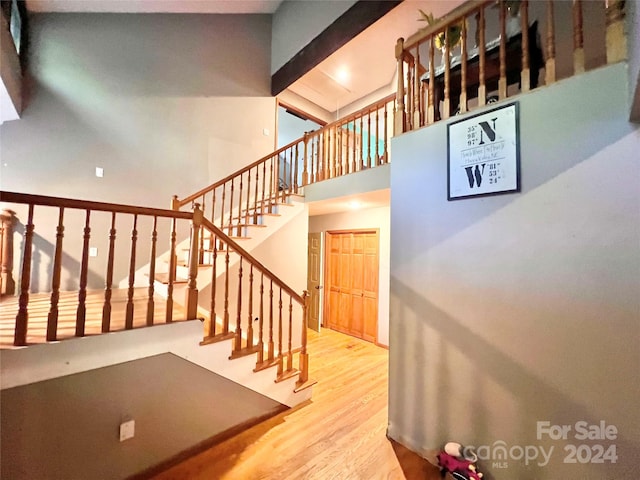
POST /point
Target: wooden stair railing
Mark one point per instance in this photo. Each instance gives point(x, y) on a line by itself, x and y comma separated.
point(513, 53)
point(256, 295)
point(76, 225)
point(356, 142)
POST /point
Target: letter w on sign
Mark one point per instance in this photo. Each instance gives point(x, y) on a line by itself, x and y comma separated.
point(474, 174)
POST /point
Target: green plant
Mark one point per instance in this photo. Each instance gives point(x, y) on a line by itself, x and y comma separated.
point(454, 30)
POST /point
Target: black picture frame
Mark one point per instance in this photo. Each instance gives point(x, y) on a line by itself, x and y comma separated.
point(483, 153)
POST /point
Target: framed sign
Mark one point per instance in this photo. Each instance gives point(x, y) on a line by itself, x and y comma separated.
point(483, 154)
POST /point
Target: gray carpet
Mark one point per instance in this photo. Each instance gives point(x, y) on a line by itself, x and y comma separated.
point(68, 427)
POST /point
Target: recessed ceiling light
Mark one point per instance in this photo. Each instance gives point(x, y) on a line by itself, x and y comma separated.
point(342, 75)
point(355, 205)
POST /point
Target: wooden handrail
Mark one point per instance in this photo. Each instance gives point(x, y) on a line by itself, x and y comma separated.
point(372, 106)
point(46, 201)
point(510, 56)
point(213, 186)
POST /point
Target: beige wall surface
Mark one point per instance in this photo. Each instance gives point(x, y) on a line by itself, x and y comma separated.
point(513, 314)
point(165, 104)
point(374, 218)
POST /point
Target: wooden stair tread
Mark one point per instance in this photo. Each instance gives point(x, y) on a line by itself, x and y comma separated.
point(164, 278)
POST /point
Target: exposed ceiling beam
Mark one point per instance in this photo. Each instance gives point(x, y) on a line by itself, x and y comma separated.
point(360, 16)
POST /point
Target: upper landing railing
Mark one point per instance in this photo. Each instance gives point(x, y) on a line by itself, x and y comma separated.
point(487, 50)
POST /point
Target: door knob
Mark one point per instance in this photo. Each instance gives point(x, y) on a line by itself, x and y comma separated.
point(319, 287)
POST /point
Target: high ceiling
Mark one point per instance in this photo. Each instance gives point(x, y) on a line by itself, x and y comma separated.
point(155, 6)
point(367, 61)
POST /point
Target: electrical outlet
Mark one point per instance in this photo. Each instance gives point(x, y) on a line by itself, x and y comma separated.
point(93, 251)
point(127, 430)
point(99, 172)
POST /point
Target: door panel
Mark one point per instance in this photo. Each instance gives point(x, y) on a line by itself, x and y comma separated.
point(352, 273)
point(313, 280)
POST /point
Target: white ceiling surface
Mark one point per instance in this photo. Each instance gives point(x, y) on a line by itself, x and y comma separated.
point(378, 198)
point(369, 58)
point(155, 6)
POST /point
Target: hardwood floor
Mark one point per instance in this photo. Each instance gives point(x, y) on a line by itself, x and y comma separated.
point(39, 305)
point(339, 434)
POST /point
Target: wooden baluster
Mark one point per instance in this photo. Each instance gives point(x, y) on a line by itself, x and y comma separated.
point(270, 345)
point(106, 307)
point(84, 270)
point(463, 67)
point(400, 119)
point(264, 187)
point(225, 318)
point(230, 229)
point(525, 75)
point(237, 344)
point(615, 37)
point(22, 318)
point(52, 319)
point(295, 170)
point(289, 344)
point(224, 195)
point(482, 88)
point(315, 157)
point(128, 324)
point(254, 205)
point(417, 109)
point(305, 160)
point(370, 139)
point(385, 157)
point(446, 107)
point(172, 269)
point(303, 360)
point(7, 283)
point(550, 64)
point(260, 346)
point(361, 153)
point(431, 109)
point(152, 273)
point(338, 149)
point(201, 236)
point(213, 216)
point(250, 324)
point(409, 99)
point(280, 356)
point(214, 280)
point(502, 82)
point(246, 209)
point(271, 182)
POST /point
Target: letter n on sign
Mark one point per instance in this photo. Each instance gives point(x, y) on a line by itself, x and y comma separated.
point(483, 153)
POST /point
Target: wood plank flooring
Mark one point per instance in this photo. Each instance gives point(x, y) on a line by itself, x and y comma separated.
point(39, 305)
point(339, 434)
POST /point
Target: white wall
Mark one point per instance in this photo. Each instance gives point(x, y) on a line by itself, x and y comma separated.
point(374, 218)
point(510, 310)
point(297, 22)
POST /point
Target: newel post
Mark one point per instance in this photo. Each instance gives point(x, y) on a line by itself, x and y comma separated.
point(615, 38)
point(191, 301)
point(7, 283)
point(175, 203)
point(303, 361)
point(400, 114)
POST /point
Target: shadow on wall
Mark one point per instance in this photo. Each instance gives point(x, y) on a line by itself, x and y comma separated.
point(537, 399)
point(42, 266)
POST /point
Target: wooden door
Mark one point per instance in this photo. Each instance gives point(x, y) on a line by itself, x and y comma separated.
point(313, 280)
point(352, 283)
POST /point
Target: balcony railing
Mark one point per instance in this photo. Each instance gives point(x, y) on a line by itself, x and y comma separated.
point(488, 50)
